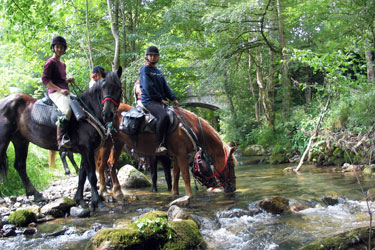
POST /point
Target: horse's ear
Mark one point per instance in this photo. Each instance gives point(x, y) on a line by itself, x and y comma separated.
point(119, 72)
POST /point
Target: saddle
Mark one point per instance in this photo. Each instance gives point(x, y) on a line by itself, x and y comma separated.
point(45, 112)
point(137, 120)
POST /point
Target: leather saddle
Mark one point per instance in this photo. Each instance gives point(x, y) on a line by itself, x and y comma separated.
point(138, 120)
point(45, 112)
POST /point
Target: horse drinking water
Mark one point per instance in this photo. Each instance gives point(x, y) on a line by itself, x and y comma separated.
point(18, 127)
point(180, 146)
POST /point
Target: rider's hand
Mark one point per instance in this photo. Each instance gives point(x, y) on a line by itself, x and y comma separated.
point(71, 80)
point(65, 91)
point(176, 103)
point(165, 102)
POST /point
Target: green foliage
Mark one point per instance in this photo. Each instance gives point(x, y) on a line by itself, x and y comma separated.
point(157, 225)
point(37, 170)
point(22, 218)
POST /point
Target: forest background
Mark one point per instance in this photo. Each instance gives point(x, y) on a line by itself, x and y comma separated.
point(275, 62)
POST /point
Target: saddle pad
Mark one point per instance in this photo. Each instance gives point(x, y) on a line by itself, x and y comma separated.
point(41, 114)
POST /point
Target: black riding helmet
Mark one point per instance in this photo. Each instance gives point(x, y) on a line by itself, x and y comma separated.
point(152, 50)
point(59, 40)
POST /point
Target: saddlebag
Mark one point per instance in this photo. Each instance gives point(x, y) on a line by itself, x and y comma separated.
point(131, 121)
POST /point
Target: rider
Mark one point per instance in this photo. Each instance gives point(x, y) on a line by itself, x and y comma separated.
point(54, 77)
point(98, 73)
point(155, 92)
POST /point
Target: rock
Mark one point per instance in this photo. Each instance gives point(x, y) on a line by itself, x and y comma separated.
point(58, 208)
point(329, 201)
point(254, 150)
point(181, 202)
point(355, 239)
point(79, 212)
point(176, 213)
point(129, 177)
point(151, 231)
point(22, 217)
point(274, 205)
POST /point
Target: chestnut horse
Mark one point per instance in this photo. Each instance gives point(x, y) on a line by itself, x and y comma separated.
point(180, 145)
point(17, 126)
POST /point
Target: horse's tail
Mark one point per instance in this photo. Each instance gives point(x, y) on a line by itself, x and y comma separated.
point(51, 158)
point(3, 166)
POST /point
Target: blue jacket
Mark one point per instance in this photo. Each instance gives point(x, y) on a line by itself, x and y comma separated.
point(154, 86)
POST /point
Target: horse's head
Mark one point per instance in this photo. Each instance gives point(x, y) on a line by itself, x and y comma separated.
point(202, 171)
point(228, 177)
point(111, 95)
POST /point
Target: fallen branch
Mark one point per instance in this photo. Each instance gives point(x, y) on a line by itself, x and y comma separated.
point(313, 136)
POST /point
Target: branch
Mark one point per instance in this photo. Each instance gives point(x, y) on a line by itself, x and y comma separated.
point(313, 136)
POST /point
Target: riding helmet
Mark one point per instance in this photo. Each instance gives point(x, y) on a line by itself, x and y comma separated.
point(152, 50)
point(59, 40)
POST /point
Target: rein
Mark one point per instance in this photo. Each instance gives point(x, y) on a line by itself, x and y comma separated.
point(217, 173)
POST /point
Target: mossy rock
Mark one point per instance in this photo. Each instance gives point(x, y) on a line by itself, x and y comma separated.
point(22, 218)
point(151, 231)
point(279, 155)
point(369, 170)
point(355, 239)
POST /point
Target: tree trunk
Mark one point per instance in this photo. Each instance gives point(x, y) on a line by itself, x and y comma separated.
point(113, 15)
point(91, 61)
point(370, 65)
point(255, 98)
point(262, 92)
point(285, 83)
point(229, 96)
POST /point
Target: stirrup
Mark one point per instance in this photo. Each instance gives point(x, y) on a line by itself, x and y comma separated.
point(161, 150)
point(64, 142)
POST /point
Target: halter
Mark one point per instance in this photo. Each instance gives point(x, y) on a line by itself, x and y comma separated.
point(110, 98)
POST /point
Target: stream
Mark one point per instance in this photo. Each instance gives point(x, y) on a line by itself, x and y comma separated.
point(226, 219)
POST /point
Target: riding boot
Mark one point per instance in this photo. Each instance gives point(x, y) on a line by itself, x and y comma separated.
point(63, 139)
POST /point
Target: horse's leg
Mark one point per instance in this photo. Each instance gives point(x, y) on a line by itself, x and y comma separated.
point(101, 167)
point(166, 162)
point(78, 197)
point(96, 199)
point(154, 172)
point(4, 143)
point(112, 163)
point(176, 176)
point(21, 147)
point(65, 164)
point(184, 168)
point(71, 158)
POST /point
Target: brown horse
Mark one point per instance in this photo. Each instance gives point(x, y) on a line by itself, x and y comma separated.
point(18, 127)
point(180, 146)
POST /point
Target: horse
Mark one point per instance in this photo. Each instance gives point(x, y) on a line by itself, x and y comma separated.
point(151, 162)
point(18, 127)
point(63, 155)
point(180, 145)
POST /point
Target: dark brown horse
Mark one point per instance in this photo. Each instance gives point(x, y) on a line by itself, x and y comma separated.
point(17, 126)
point(180, 145)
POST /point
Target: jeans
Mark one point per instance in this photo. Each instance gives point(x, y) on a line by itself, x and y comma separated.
point(157, 110)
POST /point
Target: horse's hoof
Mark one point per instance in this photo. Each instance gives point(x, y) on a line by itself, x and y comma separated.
point(119, 197)
point(154, 190)
point(82, 204)
point(39, 197)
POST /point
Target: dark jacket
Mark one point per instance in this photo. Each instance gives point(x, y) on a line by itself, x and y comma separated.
point(154, 86)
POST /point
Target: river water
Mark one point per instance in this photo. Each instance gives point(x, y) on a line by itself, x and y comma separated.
point(226, 219)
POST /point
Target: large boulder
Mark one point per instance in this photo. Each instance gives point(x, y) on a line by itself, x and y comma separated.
point(152, 231)
point(355, 239)
point(130, 177)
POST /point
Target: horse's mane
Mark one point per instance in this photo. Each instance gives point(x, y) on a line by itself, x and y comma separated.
point(205, 124)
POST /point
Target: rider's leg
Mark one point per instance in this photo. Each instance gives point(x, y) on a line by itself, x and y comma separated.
point(157, 110)
point(63, 104)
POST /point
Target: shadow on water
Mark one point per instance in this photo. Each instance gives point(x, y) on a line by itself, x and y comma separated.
point(226, 220)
